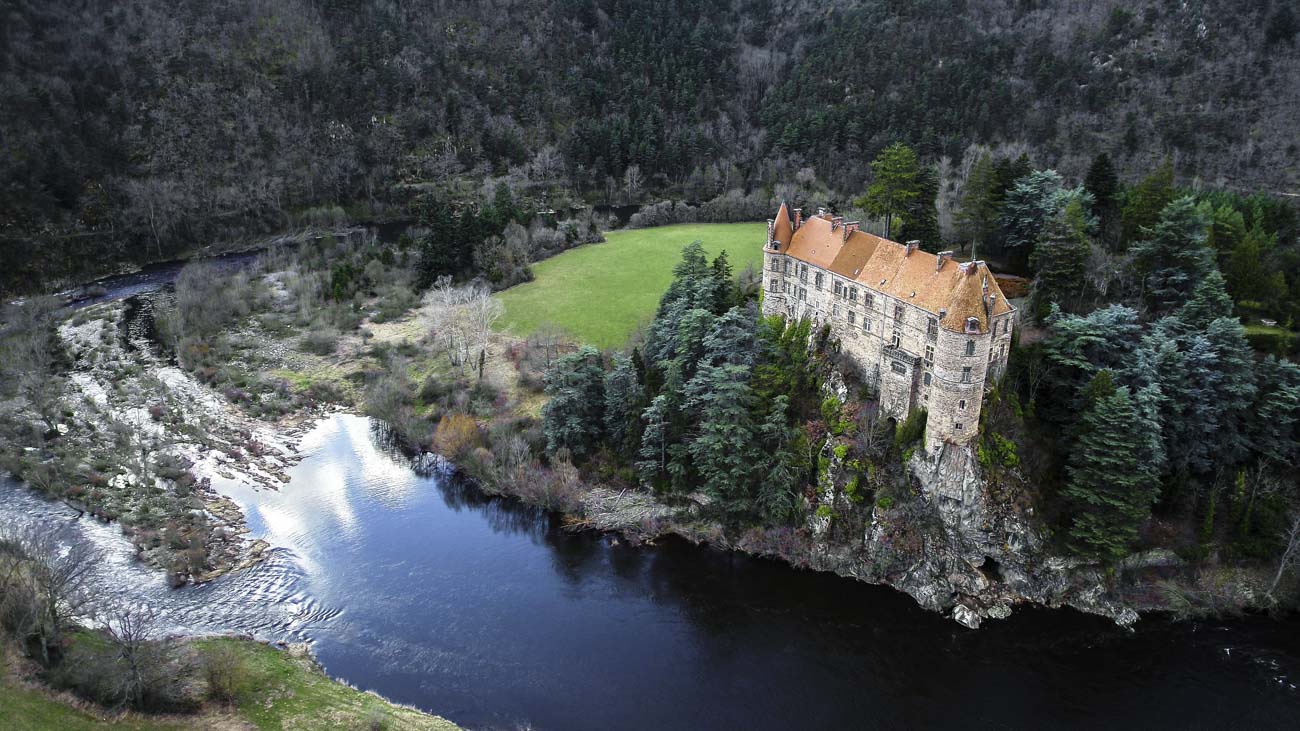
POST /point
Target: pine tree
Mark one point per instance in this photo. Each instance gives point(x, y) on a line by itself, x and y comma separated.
point(724, 448)
point(894, 185)
point(921, 217)
point(1227, 229)
point(574, 417)
point(1236, 389)
point(623, 405)
point(1144, 204)
point(1109, 489)
point(1030, 204)
point(1276, 413)
point(1173, 257)
point(724, 294)
point(1209, 302)
point(1059, 260)
point(1103, 184)
point(1248, 272)
point(977, 215)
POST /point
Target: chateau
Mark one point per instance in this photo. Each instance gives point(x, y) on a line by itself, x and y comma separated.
point(926, 331)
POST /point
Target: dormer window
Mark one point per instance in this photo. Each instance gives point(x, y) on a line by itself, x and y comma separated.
point(972, 325)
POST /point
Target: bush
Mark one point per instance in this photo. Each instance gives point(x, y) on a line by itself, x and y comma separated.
point(320, 341)
point(456, 435)
point(224, 670)
point(912, 429)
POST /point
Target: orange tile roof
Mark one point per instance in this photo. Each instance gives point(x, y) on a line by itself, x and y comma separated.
point(886, 266)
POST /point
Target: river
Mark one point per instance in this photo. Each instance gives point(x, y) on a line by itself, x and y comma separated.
point(489, 613)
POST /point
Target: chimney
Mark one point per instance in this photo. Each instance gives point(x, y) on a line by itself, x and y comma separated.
point(836, 221)
point(849, 228)
point(912, 245)
point(941, 258)
point(798, 218)
point(771, 229)
point(970, 267)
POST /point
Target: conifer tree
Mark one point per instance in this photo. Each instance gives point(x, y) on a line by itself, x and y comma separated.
point(921, 217)
point(894, 185)
point(1273, 430)
point(1110, 490)
point(1059, 260)
point(623, 405)
point(724, 294)
point(977, 215)
point(1173, 257)
point(1209, 302)
point(1145, 203)
point(1103, 184)
point(574, 417)
point(1032, 201)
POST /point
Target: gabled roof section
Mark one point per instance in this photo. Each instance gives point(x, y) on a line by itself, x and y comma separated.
point(950, 290)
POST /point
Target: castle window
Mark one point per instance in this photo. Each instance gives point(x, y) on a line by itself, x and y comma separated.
point(992, 353)
point(970, 347)
point(818, 280)
point(898, 339)
point(776, 265)
point(931, 328)
point(835, 310)
point(957, 426)
point(929, 355)
point(868, 299)
point(785, 266)
point(962, 404)
point(803, 273)
point(803, 294)
point(965, 375)
point(839, 289)
point(898, 367)
point(898, 313)
point(776, 283)
point(852, 316)
point(927, 379)
point(853, 294)
point(785, 287)
point(866, 325)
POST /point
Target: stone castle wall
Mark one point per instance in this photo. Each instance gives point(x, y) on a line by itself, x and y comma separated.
point(899, 348)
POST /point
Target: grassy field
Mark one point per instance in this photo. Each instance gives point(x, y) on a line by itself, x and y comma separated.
point(601, 292)
point(276, 690)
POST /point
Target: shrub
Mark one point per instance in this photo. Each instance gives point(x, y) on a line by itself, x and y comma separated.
point(224, 670)
point(320, 341)
point(911, 429)
point(456, 435)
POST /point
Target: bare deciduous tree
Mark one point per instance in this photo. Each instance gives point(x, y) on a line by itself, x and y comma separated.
point(44, 583)
point(1290, 555)
point(460, 321)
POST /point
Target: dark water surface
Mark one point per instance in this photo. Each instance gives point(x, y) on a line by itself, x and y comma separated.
point(487, 612)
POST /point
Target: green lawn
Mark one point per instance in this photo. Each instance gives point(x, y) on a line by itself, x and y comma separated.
point(601, 292)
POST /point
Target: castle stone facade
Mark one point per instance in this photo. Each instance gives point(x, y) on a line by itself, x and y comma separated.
point(926, 331)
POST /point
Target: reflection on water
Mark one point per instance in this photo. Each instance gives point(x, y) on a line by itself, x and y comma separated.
point(488, 612)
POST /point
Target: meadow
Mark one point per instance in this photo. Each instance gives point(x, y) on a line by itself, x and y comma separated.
point(600, 293)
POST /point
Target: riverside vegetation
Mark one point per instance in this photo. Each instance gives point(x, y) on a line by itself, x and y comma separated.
point(714, 424)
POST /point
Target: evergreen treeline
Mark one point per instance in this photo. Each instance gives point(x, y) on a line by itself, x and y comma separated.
point(714, 400)
point(143, 129)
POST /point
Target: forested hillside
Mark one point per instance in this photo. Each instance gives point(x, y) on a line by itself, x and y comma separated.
point(141, 129)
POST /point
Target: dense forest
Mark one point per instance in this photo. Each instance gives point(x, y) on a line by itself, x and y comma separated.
point(142, 130)
point(1150, 398)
